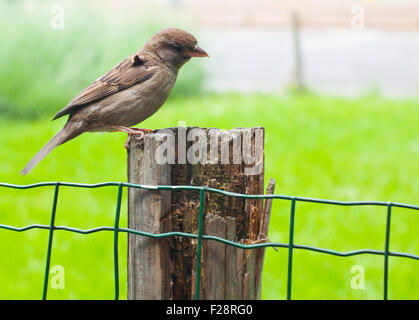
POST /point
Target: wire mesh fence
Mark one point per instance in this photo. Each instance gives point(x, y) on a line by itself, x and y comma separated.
point(200, 236)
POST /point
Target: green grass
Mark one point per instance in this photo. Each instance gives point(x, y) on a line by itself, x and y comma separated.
point(345, 149)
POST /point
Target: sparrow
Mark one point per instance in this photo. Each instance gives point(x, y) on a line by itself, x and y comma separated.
point(129, 93)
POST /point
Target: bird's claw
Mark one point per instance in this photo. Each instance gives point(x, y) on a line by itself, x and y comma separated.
point(136, 132)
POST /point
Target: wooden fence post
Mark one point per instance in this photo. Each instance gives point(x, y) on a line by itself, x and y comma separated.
point(148, 261)
point(229, 160)
point(298, 60)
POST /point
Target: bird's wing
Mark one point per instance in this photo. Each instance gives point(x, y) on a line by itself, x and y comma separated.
point(133, 70)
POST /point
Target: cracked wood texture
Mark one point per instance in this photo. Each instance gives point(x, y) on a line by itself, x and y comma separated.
point(230, 160)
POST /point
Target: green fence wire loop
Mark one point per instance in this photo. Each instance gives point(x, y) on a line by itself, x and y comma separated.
point(290, 248)
point(115, 240)
point(199, 244)
point(200, 236)
point(50, 237)
point(386, 250)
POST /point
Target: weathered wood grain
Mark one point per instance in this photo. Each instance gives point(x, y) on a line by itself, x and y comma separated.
point(148, 258)
point(231, 160)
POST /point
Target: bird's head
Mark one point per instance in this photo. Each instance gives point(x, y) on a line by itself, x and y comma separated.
point(174, 47)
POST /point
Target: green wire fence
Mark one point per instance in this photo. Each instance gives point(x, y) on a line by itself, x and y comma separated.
point(200, 236)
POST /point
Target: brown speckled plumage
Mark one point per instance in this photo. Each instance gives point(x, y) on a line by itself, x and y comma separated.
point(129, 93)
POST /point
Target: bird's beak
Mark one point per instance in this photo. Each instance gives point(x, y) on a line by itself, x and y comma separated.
point(197, 51)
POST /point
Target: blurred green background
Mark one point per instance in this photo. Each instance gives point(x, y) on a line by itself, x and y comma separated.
point(344, 148)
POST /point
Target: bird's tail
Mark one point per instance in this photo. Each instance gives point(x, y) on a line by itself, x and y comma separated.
point(67, 133)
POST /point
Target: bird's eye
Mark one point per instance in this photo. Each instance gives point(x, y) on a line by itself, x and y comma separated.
point(178, 48)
